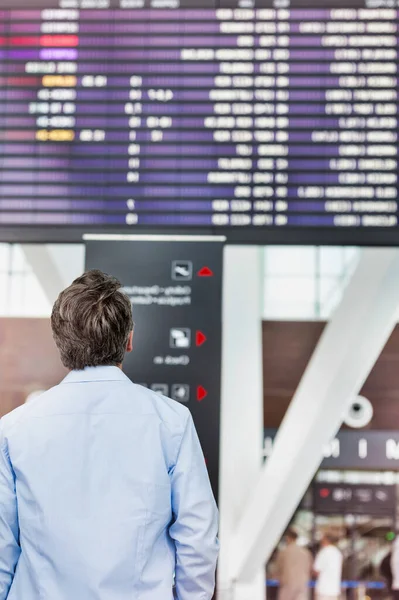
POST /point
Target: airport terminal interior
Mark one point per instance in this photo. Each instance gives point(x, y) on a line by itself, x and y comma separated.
point(234, 164)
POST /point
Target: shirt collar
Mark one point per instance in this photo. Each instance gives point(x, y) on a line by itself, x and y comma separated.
point(91, 374)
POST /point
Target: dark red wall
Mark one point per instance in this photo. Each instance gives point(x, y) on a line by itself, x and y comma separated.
point(28, 360)
point(287, 348)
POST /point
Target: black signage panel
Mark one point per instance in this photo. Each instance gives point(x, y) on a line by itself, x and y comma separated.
point(355, 450)
point(176, 291)
point(329, 498)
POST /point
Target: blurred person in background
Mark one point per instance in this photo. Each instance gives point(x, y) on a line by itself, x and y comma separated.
point(104, 492)
point(386, 571)
point(395, 569)
point(328, 570)
point(293, 569)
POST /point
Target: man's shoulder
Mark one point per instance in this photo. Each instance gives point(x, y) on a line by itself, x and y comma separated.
point(144, 401)
point(11, 418)
point(295, 550)
point(169, 411)
point(332, 553)
point(338, 553)
point(14, 417)
point(306, 553)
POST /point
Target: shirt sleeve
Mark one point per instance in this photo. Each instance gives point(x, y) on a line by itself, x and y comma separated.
point(195, 525)
point(318, 563)
point(9, 527)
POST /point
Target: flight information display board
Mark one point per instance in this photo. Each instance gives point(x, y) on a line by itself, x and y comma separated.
point(266, 120)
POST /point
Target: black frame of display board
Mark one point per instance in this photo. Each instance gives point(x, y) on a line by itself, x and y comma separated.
point(234, 235)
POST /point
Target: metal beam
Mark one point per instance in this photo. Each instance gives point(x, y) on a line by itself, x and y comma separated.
point(42, 263)
point(55, 266)
point(342, 361)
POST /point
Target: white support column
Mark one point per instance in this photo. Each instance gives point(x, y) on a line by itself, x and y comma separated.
point(242, 406)
point(55, 266)
point(344, 357)
point(254, 589)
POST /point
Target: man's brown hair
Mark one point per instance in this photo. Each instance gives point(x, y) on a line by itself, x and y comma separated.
point(91, 322)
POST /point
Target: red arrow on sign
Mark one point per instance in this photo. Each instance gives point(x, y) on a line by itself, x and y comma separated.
point(200, 338)
point(201, 393)
point(205, 272)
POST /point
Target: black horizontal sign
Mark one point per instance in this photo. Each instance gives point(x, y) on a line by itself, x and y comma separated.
point(354, 499)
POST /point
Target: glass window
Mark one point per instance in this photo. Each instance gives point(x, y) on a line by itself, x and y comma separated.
point(21, 294)
point(290, 260)
point(306, 283)
point(37, 304)
point(3, 292)
point(4, 257)
point(330, 291)
point(18, 260)
point(290, 297)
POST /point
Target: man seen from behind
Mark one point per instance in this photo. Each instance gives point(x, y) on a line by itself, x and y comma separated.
point(328, 570)
point(293, 569)
point(104, 492)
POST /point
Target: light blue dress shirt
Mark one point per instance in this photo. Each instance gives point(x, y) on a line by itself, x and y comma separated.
point(104, 495)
